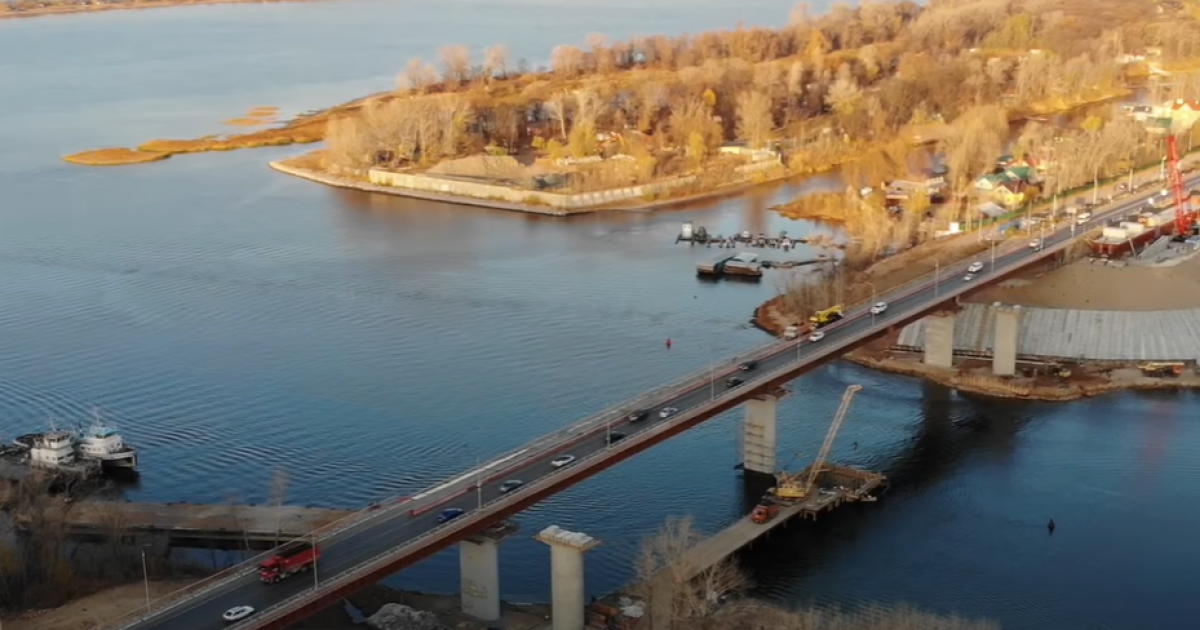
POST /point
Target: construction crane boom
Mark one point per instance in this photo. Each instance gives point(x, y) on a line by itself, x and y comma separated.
point(1183, 216)
point(815, 469)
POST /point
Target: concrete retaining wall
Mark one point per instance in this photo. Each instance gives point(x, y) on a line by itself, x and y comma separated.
point(481, 190)
point(1070, 334)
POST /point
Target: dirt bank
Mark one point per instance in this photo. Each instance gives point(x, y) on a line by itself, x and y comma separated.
point(109, 604)
point(779, 312)
point(975, 376)
point(1091, 286)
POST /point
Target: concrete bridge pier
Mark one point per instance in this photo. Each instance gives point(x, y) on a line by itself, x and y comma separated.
point(1004, 341)
point(566, 573)
point(939, 339)
point(479, 569)
point(758, 434)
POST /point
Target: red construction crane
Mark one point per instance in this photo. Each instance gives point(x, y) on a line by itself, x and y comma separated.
point(1183, 214)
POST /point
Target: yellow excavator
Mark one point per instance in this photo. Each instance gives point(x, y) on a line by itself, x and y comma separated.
point(790, 488)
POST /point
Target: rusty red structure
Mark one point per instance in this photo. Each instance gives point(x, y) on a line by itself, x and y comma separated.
point(1184, 217)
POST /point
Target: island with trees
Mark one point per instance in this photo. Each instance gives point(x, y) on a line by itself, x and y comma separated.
point(654, 120)
point(633, 124)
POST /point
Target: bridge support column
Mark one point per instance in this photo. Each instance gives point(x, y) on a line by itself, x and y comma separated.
point(758, 434)
point(479, 568)
point(1004, 342)
point(939, 340)
point(566, 574)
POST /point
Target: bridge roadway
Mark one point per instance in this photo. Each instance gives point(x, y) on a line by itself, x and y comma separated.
point(380, 541)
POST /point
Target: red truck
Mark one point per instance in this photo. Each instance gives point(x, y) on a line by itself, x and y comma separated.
point(287, 560)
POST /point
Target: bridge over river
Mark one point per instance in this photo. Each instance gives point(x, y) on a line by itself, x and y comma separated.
point(369, 545)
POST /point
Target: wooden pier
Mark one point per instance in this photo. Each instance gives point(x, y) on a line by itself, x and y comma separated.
point(185, 524)
point(837, 485)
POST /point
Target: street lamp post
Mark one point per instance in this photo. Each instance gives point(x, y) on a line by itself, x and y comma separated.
point(146, 579)
point(316, 581)
point(873, 295)
point(937, 275)
point(993, 248)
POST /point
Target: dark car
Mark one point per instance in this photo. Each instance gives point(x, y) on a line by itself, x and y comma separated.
point(510, 485)
point(733, 381)
point(748, 365)
point(638, 416)
point(615, 436)
point(449, 514)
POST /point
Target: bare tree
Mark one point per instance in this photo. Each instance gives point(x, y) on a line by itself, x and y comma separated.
point(754, 118)
point(556, 106)
point(495, 62)
point(566, 60)
point(844, 95)
point(456, 63)
point(417, 76)
point(678, 597)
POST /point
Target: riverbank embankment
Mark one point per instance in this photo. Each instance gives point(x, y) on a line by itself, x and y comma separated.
point(476, 194)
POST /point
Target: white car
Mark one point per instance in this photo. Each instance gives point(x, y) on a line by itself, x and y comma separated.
point(817, 336)
point(667, 412)
point(237, 613)
point(562, 460)
point(878, 308)
point(969, 277)
point(975, 267)
point(1035, 243)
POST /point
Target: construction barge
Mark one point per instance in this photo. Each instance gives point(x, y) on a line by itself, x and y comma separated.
point(699, 235)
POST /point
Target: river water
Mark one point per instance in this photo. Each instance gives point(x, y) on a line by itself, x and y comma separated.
point(235, 321)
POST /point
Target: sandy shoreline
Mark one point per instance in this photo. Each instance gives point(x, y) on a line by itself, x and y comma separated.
point(63, 8)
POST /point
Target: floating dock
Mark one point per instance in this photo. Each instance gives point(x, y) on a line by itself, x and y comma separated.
point(184, 523)
point(835, 485)
point(744, 265)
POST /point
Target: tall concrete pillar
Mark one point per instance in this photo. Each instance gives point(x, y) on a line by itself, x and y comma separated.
point(479, 570)
point(939, 340)
point(1004, 342)
point(758, 434)
point(566, 573)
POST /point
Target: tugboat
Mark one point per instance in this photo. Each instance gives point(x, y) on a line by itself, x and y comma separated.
point(102, 442)
point(55, 451)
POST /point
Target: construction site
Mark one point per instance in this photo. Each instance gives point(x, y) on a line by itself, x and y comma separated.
point(817, 488)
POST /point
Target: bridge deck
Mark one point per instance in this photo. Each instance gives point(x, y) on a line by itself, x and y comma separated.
point(192, 521)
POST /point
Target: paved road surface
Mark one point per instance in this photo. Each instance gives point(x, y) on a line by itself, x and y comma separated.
point(356, 545)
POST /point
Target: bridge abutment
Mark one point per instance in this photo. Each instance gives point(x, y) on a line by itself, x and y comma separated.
point(758, 434)
point(939, 339)
point(566, 573)
point(1004, 341)
point(479, 572)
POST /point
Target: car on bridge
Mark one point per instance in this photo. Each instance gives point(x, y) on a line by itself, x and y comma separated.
point(817, 336)
point(562, 460)
point(615, 436)
point(237, 613)
point(510, 485)
point(449, 514)
point(748, 365)
point(638, 416)
point(667, 412)
point(878, 308)
point(969, 277)
point(975, 267)
point(733, 381)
